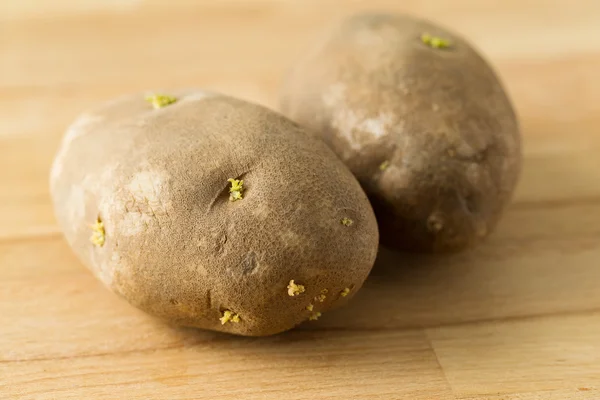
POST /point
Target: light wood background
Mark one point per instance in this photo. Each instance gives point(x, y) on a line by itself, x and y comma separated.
point(515, 319)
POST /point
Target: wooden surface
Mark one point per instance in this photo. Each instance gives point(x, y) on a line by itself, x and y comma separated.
point(517, 318)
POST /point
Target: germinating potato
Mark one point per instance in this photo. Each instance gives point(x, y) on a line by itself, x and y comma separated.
point(420, 119)
point(211, 212)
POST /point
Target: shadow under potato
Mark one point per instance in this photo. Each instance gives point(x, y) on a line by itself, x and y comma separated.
point(407, 290)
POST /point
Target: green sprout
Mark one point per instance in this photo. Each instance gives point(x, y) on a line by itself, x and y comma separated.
point(346, 221)
point(98, 233)
point(321, 297)
point(229, 316)
point(160, 100)
point(236, 189)
point(314, 316)
point(435, 41)
point(384, 165)
point(294, 289)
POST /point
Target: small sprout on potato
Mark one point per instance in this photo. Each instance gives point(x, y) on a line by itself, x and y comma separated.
point(346, 221)
point(98, 234)
point(451, 153)
point(236, 189)
point(435, 42)
point(294, 289)
point(345, 292)
point(321, 298)
point(434, 223)
point(229, 316)
point(384, 165)
point(160, 100)
point(310, 307)
point(314, 316)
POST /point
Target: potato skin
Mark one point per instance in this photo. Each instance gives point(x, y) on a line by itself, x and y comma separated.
point(429, 132)
point(177, 247)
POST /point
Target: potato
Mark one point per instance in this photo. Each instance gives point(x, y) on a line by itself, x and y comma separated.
point(212, 212)
point(420, 119)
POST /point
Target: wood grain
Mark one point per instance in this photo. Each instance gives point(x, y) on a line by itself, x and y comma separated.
point(517, 318)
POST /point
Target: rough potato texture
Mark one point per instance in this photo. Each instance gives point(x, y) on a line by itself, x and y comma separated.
point(152, 201)
point(420, 119)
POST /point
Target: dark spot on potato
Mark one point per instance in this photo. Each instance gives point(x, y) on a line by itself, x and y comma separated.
point(209, 299)
point(470, 202)
point(250, 263)
point(220, 244)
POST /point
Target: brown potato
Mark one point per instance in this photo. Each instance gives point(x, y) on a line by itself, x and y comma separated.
point(420, 119)
point(211, 212)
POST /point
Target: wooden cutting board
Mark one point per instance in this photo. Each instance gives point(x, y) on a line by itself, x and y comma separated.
point(516, 318)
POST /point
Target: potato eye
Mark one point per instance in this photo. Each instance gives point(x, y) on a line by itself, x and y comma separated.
point(435, 42)
point(314, 316)
point(346, 221)
point(229, 316)
point(236, 189)
point(98, 233)
point(160, 100)
point(295, 289)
